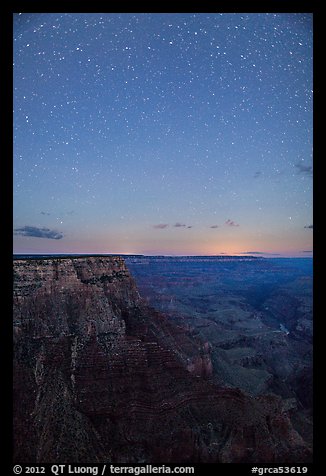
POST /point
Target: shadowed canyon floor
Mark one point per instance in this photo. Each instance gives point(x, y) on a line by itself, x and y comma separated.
point(99, 375)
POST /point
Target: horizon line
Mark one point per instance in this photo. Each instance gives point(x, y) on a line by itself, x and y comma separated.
point(222, 255)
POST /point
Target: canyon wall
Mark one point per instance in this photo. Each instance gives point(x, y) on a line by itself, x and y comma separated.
point(99, 376)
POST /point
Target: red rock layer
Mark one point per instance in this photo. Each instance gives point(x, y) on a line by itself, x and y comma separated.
point(100, 377)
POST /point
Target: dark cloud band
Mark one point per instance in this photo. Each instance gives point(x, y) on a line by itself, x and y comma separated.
point(37, 232)
point(180, 225)
point(231, 223)
point(259, 253)
point(161, 226)
point(304, 169)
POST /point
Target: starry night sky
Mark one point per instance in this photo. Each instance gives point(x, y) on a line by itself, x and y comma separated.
point(163, 133)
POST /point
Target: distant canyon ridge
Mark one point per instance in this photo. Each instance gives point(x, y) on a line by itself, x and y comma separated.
point(100, 375)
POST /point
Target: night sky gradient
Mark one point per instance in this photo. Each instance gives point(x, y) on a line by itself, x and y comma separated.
point(163, 133)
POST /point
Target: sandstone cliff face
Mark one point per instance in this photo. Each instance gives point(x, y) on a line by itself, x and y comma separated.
point(99, 376)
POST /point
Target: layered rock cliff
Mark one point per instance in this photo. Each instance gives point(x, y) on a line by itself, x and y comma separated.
point(99, 376)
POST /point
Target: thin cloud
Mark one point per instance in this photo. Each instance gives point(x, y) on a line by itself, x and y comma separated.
point(304, 169)
point(231, 223)
point(259, 253)
point(252, 253)
point(37, 232)
point(309, 227)
point(180, 225)
point(161, 226)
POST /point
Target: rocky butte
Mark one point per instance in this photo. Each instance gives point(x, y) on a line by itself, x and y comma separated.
point(101, 377)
